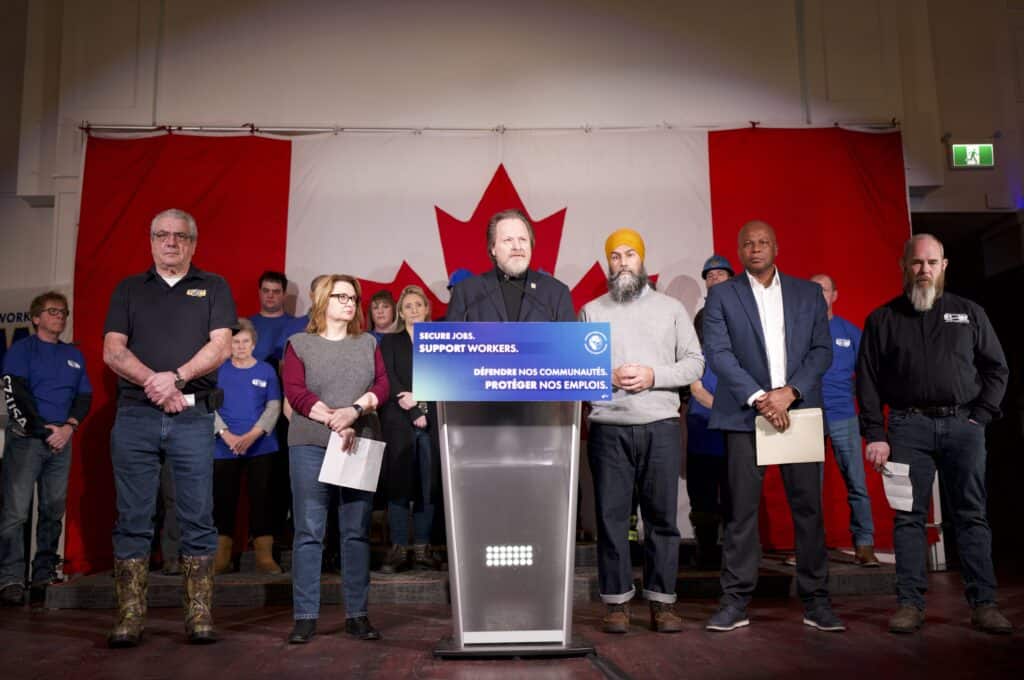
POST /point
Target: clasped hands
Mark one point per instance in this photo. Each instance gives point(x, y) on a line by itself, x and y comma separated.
point(339, 420)
point(161, 391)
point(774, 406)
point(633, 377)
point(407, 402)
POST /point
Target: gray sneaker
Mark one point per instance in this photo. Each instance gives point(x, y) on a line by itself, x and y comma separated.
point(988, 618)
point(823, 618)
point(727, 618)
point(907, 619)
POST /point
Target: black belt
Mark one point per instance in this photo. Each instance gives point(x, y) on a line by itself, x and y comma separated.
point(209, 399)
point(933, 411)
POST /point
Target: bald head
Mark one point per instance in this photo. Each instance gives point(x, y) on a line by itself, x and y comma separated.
point(921, 242)
point(757, 248)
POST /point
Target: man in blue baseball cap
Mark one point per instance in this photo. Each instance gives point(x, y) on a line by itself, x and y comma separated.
point(705, 449)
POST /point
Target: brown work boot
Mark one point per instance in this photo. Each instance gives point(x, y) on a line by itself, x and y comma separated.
point(396, 560)
point(263, 546)
point(130, 586)
point(864, 556)
point(617, 619)
point(663, 619)
point(907, 619)
point(988, 618)
point(198, 598)
point(222, 562)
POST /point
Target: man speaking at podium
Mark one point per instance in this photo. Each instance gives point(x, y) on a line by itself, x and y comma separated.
point(635, 439)
point(511, 291)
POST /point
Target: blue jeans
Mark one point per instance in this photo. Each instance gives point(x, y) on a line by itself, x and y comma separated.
point(956, 448)
point(845, 436)
point(423, 510)
point(27, 462)
point(649, 458)
point(310, 501)
point(142, 435)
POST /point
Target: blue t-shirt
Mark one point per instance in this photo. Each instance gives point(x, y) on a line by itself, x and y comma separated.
point(699, 439)
point(246, 393)
point(837, 383)
point(270, 336)
point(54, 371)
point(296, 325)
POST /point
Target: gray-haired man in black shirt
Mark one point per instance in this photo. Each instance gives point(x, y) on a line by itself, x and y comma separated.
point(935, 361)
point(167, 331)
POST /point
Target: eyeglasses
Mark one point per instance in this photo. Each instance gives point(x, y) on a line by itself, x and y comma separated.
point(57, 311)
point(344, 298)
point(172, 235)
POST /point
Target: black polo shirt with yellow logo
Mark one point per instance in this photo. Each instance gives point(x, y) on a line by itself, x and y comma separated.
point(167, 325)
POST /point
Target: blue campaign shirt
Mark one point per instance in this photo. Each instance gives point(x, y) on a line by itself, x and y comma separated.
point(699, 439)
point(246, 393)
point(837, 383)
point(54, 371)
point(296, 325)
point(270, 335)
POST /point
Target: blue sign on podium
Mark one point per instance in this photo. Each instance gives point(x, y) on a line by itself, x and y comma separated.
point(552, 361)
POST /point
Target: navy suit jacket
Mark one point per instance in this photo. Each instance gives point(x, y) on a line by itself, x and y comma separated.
point(735, 347)
point(478, 298)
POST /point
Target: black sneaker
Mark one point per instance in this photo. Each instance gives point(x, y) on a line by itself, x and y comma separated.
point(303, 632)
point(12, 595)
point(823, 618)
point(360, 628)
point(727, 618)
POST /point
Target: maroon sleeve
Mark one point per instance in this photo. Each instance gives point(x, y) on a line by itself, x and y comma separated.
point(380, 388)
point(293, 375)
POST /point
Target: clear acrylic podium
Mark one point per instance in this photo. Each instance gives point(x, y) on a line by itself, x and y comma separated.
point(510, 472)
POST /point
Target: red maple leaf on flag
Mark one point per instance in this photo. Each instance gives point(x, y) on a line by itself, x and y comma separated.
point(464, 246)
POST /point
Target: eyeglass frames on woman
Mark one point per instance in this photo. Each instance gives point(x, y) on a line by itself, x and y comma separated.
point(57, 311)
point(344, 298)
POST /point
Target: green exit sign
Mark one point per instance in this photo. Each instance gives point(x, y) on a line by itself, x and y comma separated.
point(974, 156)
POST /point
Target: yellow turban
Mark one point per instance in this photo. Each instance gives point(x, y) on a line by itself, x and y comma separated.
point(624, 237)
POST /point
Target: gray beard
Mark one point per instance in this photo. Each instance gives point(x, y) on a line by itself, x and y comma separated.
point(923, 297)
point(627, 286)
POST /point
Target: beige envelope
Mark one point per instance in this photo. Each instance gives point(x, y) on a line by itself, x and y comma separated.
point(802, 442)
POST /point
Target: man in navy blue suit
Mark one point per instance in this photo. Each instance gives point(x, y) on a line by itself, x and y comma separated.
point(511, 291)
point(766, 336)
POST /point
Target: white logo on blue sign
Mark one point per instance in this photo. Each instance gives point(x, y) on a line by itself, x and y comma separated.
point(595, 342)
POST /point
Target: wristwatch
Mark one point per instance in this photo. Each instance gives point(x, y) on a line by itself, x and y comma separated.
point(359, 410)
point(179, 382)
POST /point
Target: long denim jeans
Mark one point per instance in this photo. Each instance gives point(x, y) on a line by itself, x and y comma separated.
point(956, 448)
point(423, 510)
point(845, 436)
point(649, 457)
point(27, 462)
point(310, 502)
point(141, 436)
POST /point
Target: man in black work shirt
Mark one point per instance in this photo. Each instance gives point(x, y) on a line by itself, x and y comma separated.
point(934, 360)
point(167, 332)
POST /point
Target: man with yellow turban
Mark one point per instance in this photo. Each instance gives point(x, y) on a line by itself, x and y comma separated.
point(635, 439)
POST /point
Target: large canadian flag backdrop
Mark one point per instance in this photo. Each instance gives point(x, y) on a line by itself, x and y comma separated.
point(400, 208)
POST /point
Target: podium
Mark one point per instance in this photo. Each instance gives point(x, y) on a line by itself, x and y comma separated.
point(510, 471)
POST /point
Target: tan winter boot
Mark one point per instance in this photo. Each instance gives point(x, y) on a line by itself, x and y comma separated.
point(198, 599)
point(263, 546)
point(130, 586)
point(222, 562)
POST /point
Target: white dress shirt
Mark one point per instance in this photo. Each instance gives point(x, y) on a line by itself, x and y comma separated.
point(773, 325)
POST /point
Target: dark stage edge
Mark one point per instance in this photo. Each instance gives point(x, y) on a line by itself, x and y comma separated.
point(249, 589)
point(446, 649)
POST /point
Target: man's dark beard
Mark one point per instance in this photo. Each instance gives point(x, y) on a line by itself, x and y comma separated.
point(626, 286)
point(923, 297)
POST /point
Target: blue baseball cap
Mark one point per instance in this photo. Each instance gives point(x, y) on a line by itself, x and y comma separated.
point(716, 262)
point(458, 275)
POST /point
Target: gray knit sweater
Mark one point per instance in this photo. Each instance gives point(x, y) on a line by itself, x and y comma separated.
point(339, 372)
point(653, 330)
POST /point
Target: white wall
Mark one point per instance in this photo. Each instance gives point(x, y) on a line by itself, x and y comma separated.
point(457, 63)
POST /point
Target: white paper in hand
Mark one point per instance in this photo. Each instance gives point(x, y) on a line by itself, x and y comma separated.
point(898, 489)
point(357, 468)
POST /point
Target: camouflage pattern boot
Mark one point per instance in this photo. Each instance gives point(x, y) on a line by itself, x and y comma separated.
point(130, 586)
point(198, 599)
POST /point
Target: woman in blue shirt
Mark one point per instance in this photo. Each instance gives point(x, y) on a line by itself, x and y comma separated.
point(252, 404)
